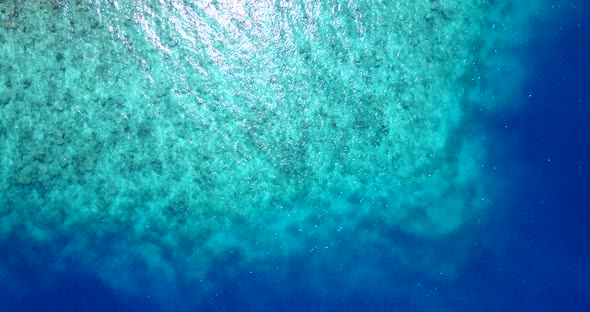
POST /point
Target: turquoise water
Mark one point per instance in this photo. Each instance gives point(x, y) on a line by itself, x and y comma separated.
point(159, 143)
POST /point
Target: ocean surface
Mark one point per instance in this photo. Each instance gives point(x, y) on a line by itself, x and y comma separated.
point(233, 155)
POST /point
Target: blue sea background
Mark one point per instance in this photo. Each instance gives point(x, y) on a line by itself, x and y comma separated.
point(533, 250)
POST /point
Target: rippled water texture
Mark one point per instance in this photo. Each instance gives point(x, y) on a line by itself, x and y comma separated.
point(173, 136)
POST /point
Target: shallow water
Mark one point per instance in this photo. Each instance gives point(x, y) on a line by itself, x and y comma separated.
point(235, 155)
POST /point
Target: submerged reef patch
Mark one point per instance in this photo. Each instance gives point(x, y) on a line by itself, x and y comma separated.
point(181, 134)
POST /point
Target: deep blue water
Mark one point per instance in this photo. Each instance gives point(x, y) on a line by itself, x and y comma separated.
point(537, 241)
point(533, 252)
